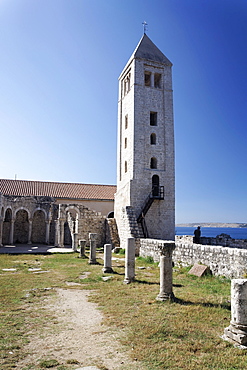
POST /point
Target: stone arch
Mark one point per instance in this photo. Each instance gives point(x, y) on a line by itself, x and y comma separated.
point(42, 210)
point(21, 228)
point(7, 218)
point(39, 226)
point(110, 215)
point(22, 209)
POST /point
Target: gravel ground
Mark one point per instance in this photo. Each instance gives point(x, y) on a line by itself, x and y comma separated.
point(78, 335)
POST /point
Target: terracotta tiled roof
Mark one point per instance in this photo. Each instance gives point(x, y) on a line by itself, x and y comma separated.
point(57, 189)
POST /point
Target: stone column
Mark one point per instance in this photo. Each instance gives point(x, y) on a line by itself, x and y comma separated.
point(57, 240)
point(92, 255)
point(30, 232)
point(166, 250)
point(47, 231)
point(61, 227)
point(237, 331)
point(11, 233)
point(1, 232)
point(75, 242)
point(107, 258)
point(82, 247)
point(130, 261)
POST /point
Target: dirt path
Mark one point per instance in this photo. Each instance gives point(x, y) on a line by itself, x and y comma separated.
point(79, 335)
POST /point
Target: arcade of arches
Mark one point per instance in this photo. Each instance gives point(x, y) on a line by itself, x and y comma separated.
point(28, 220)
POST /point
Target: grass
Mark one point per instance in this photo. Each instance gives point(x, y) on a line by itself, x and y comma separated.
point(162, 335)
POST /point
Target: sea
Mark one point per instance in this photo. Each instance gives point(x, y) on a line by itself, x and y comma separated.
point(234, 232)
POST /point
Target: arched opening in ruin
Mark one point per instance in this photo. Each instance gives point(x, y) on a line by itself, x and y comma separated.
point(38, 227)
point(110, 215)
point(67, 234)
point(21, 227)
point(6, 226)
point(71, 224)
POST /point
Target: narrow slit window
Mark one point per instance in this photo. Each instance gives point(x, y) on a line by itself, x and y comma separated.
point(125, 166)
point(153, 139)
point(153, 163)
point(153, 118)
point(125, 143)
point(157, 80)
point(126, 121)
point(147, 78)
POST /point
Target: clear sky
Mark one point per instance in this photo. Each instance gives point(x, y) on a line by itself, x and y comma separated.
point(59, 67)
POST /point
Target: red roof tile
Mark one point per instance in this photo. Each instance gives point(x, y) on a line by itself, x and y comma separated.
point(57, 189)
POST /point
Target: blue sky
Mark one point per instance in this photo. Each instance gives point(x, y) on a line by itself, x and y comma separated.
point(59, 67)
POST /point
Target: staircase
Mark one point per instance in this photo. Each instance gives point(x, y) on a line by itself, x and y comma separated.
point(112, 232)
point(156, 193)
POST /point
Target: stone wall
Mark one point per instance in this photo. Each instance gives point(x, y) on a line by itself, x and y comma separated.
point(224, 240)
point(225, 261)
point(229, 262)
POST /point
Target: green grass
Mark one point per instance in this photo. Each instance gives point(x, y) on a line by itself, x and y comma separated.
point(162, 335)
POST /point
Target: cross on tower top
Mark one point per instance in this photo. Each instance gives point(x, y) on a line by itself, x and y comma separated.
point(144, 27)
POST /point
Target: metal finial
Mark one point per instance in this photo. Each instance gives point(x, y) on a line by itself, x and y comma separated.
point(144, 27)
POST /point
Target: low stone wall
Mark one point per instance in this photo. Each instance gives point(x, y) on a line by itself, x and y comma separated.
point(224, 261)
point(224, 240)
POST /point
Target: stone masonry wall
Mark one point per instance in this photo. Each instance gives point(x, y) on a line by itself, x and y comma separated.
point(223, 240)
point(225, 261)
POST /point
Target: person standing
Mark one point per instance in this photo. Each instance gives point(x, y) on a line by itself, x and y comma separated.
point(197, 234)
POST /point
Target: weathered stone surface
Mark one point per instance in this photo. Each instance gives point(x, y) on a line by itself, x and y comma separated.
point(107, 259)
point(199, 270)
point(92, 255)
point(237, 331)
point(166, 291)
point(130, 261)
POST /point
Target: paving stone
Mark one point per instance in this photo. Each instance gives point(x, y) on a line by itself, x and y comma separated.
point(9, 269)
point(199, 270)
point(105, 278)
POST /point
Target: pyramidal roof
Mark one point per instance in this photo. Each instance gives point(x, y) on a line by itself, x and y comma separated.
point(146, 49)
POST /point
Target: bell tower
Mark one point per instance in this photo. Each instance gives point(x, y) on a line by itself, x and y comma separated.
point(145, 194)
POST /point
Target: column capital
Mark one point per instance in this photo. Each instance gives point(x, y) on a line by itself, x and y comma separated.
point(167, 248)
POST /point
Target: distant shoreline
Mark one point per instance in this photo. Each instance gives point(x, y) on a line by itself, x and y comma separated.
point(213, 224)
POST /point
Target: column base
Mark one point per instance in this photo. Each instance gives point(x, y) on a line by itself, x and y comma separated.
point(93, 262)
point(107, 270)
point(165, 297)
point(236, 334)
point(128, 280)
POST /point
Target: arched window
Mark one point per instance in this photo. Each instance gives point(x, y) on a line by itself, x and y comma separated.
point(155, 185)
point(153, 162)
point(153, 139)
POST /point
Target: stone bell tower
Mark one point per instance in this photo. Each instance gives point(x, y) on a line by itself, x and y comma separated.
point(145, 197)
